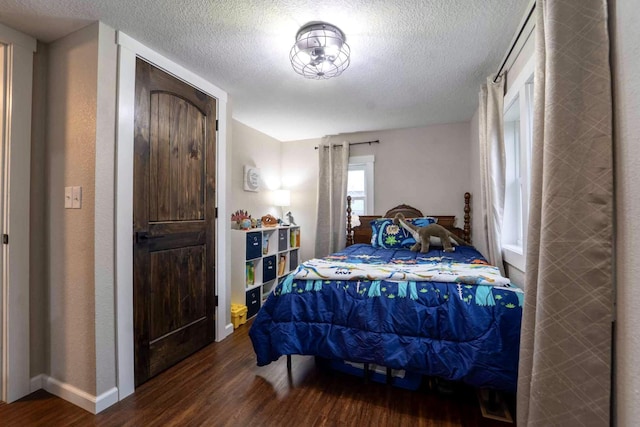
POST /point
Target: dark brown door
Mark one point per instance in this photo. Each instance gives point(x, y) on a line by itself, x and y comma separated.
point(174, 216)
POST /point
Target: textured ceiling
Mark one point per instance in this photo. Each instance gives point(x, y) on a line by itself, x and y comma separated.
point(413, 63)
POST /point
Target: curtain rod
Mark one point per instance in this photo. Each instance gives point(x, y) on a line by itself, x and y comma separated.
point(377, 141)
point(515, 42)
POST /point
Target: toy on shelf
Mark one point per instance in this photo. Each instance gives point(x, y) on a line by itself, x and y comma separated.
point(242, 219)
point(265, 244)
point(269, 221)
point(250, 274)
point(290, 218)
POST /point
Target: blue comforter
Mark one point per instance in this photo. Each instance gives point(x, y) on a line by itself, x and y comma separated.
point(453, 330)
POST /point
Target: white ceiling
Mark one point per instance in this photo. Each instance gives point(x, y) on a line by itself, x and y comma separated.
point(413, 63)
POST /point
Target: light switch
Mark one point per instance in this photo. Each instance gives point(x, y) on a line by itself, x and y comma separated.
point(68, 197)
point(77, 198)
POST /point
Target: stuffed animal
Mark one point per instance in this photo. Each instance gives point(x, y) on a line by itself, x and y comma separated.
point(422, 235)
point(269, 221)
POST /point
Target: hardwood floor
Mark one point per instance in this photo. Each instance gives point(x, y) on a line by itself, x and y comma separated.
point(221, 386)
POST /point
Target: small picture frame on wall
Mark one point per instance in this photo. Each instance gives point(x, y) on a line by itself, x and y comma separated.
point(251, 178)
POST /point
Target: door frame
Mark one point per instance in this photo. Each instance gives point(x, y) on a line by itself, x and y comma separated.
point(16, 177)
point(128, 50)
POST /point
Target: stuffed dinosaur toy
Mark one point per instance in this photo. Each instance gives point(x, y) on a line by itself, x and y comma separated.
point(422, 235)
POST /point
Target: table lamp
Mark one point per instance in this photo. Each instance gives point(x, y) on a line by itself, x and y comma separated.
point(282, 198)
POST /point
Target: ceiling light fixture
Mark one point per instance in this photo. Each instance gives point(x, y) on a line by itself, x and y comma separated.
point(320, 51)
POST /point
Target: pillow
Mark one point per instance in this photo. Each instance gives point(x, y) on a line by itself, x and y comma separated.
point(386, 234)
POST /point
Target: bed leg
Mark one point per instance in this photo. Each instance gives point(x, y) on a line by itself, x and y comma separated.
point(492, 403)
point(389, 377)
point(289, 363)
point(366, 373)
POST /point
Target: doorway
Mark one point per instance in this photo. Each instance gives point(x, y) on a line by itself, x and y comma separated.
point(174, 218)
point(16, 62)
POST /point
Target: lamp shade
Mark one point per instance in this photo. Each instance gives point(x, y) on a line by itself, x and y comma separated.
point(282, 198)
point(320, 51)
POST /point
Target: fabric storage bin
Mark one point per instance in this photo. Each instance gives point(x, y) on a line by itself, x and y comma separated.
point(269, 268)
point(253, 302)
point(293, 260)
point(254, 245)
point(282, 239)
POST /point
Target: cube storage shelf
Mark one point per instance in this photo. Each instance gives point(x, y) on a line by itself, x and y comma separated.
point(259, 258)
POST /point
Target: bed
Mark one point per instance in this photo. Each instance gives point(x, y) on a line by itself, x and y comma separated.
point(442, 314)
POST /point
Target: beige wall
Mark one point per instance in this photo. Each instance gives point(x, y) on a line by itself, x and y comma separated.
point(38, 302)
point(300, 175)
point(104, 224)
point(425, 167)
point(80, 150)
point(70, 160)
point(228, 203)
point(254, 148)
point(626, 70)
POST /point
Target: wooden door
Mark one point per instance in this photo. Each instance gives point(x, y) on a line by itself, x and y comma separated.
point(174, 216)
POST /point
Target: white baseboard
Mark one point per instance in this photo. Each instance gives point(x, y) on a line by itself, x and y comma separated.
point(228, 330)
point(106, 399)
point(80, 398)
point(37, 383)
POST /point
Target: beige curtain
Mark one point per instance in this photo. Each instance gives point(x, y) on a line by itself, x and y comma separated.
point(332, 198)
point(565, 352)
point(492, 166)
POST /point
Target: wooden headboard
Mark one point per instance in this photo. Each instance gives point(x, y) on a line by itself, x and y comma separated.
point(362, 233)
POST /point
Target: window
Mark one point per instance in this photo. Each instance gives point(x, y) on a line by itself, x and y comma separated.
point(518, 127)
point(360, 184)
